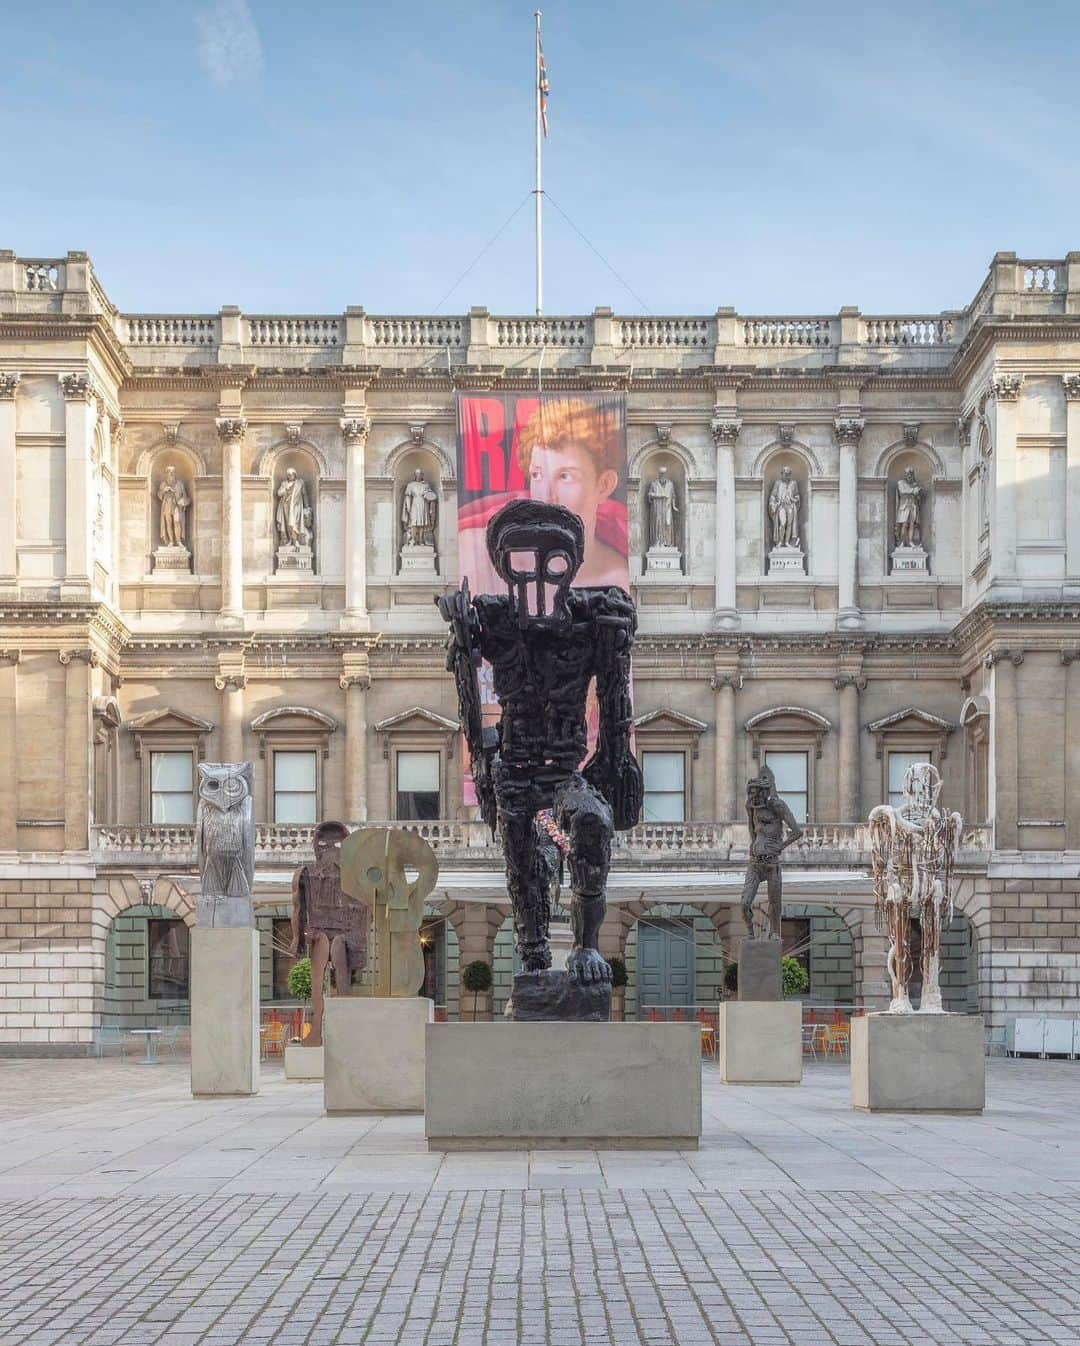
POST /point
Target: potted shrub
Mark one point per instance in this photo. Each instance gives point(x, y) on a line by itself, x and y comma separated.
point(794, 977)
point(476, 978)
point(731, 978)
point(618, 987)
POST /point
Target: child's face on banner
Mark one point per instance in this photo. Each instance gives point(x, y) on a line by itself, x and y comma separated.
point(567, 475)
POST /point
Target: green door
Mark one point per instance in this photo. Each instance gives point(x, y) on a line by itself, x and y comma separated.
point(665, 965)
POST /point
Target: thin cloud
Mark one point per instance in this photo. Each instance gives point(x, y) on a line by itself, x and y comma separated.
point(229, 46)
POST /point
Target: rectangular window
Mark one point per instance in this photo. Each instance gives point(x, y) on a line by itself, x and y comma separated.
point(283, 959)
point(898, 764)
point(171, 796)
point(167, 971)
point(665, 787)
point(790, 771)
point(294, 787)
point(417, 786)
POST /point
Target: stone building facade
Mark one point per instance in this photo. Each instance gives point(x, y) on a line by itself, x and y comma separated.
point(201, 556)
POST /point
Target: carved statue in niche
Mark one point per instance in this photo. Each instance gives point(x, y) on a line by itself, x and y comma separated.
point(912, 852)
point(294, 515)
point(784, 503)
point(172, 553)
point(662, 511)
point(174, 502)
point(419, 506)
point(907, 529)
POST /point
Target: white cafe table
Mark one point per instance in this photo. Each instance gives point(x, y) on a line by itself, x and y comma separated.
point(150, 1059)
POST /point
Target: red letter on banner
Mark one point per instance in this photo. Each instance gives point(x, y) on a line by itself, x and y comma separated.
point(483, 434)
point(523, 414)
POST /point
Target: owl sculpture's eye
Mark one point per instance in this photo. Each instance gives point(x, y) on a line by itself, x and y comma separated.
point(212, 784)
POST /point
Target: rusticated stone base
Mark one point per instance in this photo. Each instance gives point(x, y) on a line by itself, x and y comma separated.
point(552, 996)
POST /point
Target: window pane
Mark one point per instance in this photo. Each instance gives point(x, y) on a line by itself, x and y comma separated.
point(171, 808)
point(294, 771)
point(170, 771)
point(898, 764)
point(663, 807)
point(418, 771)
point(796, 802)
point(663, 770)
point(789, 768)
point(417, 805)
point(167, 942)
point(294, 807)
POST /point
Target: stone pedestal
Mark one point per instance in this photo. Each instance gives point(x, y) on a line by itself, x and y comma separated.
point(553, 997)
point(519, 1086)
point(373, 1053)
point(303, 1063)
point(418, 559)
point(224, 1012)
point(172, 560)
point(294, 558)
point(907, 558)
point(787, 561)
point(760, 1042)
point(664, 559)
point(228, 912)
point(759, 970)
point(918, 1063)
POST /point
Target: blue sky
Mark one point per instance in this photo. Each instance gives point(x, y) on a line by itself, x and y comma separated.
point(780, 157)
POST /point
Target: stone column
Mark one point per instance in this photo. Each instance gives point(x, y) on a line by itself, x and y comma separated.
point(724, 791)
point(9, 802)
point(9, 381)
point(725, 433)
point(848, 433)
point(355, 680)
point(1005, 748)
point(1004, 391)
point(231, 686)
point(78, 746)
point(231, 432)
point(476, 924)
point(355, 432)
point(80, 417)
point(1072, 482)
point(1071, 660)
point(849, 687)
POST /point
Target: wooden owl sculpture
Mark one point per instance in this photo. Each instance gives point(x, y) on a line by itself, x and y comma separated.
point(225, 837)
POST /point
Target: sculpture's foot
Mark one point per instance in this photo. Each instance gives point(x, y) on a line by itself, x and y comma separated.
point(900, 1005)
point(931, 1003)
point(536, 957)
point(587, 967)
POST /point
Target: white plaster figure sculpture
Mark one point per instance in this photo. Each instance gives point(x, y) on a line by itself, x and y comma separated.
point(418, 512)
point(912, 850)
point(907, 530)
point(174, 502)
point(662, 511)
point(784, 510)
point(294, 515)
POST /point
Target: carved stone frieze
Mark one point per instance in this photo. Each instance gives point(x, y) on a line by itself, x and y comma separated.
point(355, 427)
point(77, 386)
point(231, 428)
point(786, 432)
point(1015, 657)
point(849, 429)
point(235, 682)
point(85, 656)
point(725, 431)
point(1005, 387)
point(1071, 384)
point(911, 433)
point(9, 381)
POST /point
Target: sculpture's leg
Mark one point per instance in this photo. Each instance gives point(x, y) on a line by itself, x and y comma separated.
point(749, 893)
point(930, 920)
point(585, 817)
point(775, 885)
point(320, 953)
point(339, 959)
point(525, 883)
point(898, 920)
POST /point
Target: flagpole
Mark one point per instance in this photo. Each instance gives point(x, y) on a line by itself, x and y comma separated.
point(538, 194)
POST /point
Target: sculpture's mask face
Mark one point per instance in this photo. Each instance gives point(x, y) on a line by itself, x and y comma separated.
point(537, 550)
point(327, 841)
point(389, 866)
point(225, 785)
point(921, 787)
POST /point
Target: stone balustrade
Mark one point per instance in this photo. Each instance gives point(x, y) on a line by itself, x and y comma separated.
point(172, 847)
point(603, 339)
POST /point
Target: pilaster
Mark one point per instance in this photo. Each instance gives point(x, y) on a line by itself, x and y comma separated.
point(78, 745)
point(9, 382)
point(848, 433)
point(1071, 740)
point(231, 431)
point(849, 684)
point(230, 681)
point(1003, 394)
point(1005, 746)
point(9, 660)
point(355, 680)
point(725, 682)
point(1071, 383)
point(80, 417)
point(354, 430)
point(725, 432)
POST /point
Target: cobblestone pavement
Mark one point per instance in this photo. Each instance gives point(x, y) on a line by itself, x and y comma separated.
point(131, 1214)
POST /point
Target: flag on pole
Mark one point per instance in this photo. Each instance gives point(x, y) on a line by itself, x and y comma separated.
point(542, 82)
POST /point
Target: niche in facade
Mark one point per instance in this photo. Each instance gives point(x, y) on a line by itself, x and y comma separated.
point(417, 504)
point(293, 510)
point(662, 509)
point(909, 512)
point(786, 513)
point(172, 512)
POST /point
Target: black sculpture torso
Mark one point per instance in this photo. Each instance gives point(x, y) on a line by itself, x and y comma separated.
point(546, 642)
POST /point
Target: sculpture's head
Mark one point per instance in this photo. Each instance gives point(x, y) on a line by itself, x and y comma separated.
point(910, 476)
point(921, 787)
point(226, 785)
point(663, 472)
point(418, 475)
point(539, 545)
point(290, 474)
point(328, 838)
point(785, 473)
point(760, 789)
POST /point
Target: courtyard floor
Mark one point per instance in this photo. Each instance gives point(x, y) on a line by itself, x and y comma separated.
point(132, 1214)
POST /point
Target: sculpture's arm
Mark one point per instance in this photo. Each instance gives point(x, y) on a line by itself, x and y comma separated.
point(299, 914)
point(613, 769)
point(464, 652)
point(794, 831)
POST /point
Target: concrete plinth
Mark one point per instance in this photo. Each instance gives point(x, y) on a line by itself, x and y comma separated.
point(373, 1053)
point(303, 1063)
point(759, 970)
point(760, 1042)
point(918, 1063)
point(224, 1012)
point(519, 1086)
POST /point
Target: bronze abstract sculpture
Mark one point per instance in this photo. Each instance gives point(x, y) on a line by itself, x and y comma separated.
point(546, 641)
point(772, 829)
point(325, 924)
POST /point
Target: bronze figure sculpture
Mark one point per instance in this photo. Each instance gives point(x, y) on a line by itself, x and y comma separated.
point(325, 924)
point(546, 641)
point(769, 819)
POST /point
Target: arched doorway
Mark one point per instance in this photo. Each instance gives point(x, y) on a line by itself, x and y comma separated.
point(147, 968)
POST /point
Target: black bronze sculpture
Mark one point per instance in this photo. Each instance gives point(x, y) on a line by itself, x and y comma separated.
point(769, 819)
point(546, 641)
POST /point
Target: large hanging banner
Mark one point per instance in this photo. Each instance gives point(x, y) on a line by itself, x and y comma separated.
point(565, 448)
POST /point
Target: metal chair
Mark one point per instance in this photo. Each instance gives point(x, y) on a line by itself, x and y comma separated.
point(810, 1040)
point(274, 1040)
point(997, 1040)
point(109, 1037)
point(708, 1040)
point(170, 1037)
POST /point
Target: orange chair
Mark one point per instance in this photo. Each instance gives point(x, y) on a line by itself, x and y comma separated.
point(708, 1040)
point(274, 1038)
point(655, 1016)
point(679, 1017)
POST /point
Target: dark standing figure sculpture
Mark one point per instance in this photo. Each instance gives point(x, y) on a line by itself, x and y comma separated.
point(546, 641)
point(769, 816)
point(326, 924)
